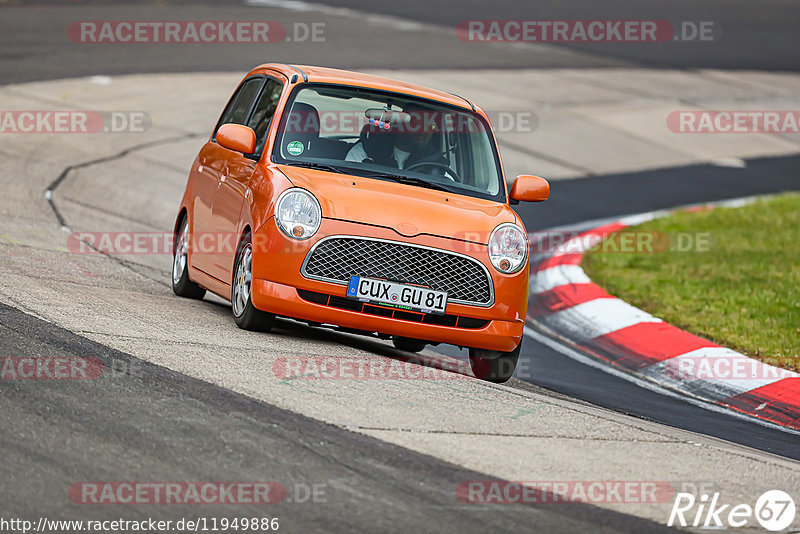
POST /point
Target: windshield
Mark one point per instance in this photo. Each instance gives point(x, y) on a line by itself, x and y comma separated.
point(389, 136)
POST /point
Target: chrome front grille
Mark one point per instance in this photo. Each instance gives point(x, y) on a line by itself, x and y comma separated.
point(337, 258)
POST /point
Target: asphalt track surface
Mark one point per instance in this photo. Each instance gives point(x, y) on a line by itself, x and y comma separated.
point(748, 36)
point(121, 447)
point(192, 430)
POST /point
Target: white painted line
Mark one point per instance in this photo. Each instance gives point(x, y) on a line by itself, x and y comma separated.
point(731, 162)
point(738, 202)
point(100, 80)
point(396, 23)
point(290, 5)
point(647, 384)
point(633, 220)
point(596, 318)
point(557, 276)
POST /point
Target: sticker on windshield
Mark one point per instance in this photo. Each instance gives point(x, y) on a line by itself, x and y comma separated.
point(295, 148)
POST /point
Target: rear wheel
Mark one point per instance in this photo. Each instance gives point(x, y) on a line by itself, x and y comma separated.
point(493, 366)
point(181, 285)
point(407, 344)
point(247, 316)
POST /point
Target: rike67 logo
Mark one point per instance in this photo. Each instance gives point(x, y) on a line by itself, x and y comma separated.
point(774, 510)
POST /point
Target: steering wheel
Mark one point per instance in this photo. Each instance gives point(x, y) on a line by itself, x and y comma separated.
point(445, 167)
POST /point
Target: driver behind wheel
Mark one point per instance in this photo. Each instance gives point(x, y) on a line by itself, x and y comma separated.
point(411, 144)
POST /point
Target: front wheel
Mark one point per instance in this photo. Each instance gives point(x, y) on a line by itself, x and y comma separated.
point(247, 316)
point(499, 368)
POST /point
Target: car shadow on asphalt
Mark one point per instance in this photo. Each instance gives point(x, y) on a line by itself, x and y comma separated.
point(291, 328)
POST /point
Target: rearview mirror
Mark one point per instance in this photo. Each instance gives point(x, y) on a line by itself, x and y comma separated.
point(237, 137)
point(529, 188)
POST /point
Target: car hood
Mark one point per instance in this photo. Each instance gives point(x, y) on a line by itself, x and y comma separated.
point(409, 210)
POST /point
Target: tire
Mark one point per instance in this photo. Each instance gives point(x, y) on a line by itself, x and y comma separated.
point(497, 369)
point(407, 344)
point(181, 285)
point(247, 316)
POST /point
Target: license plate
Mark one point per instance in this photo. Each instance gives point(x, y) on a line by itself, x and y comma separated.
point(394, 295)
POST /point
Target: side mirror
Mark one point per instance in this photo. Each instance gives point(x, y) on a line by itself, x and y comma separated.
point(529, 188)
point(237, 137)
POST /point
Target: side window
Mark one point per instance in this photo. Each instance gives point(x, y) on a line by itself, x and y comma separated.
point(265, 109)
point(240, 104)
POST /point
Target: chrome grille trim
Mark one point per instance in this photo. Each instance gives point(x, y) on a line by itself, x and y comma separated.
point(486, 277)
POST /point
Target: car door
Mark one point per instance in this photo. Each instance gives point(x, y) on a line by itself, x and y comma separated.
point(234, 185)
point(212, 165)
point(205, 177)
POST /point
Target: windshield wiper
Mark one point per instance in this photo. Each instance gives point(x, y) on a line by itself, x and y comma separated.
point(313, 165)
point(410, 180)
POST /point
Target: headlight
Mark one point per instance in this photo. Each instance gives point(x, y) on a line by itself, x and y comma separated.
point(298, 213)
point(508, 248)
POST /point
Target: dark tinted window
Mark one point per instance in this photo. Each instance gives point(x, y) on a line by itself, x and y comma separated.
point(240, 104)
point(265, 109)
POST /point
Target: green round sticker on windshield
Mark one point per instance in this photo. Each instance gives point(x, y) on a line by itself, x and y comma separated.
point(295, 148)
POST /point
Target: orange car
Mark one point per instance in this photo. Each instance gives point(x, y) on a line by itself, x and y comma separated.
point(360, 202)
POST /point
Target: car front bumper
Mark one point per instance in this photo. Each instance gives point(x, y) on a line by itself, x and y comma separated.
point(279, 287)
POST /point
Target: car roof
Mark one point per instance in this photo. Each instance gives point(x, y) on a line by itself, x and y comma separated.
point(359, 79)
